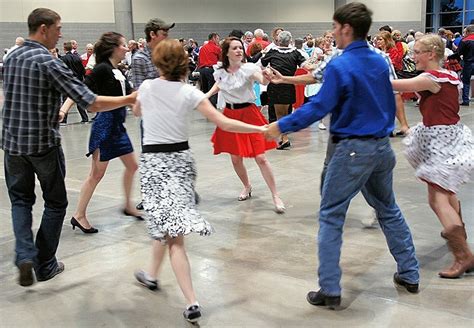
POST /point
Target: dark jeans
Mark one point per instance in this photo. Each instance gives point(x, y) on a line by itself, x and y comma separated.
point(467, 72)
point(206, 79)
point(20, 171)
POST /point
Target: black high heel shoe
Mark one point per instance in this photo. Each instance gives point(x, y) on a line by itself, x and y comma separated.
point(75, 224)
point(138, 217)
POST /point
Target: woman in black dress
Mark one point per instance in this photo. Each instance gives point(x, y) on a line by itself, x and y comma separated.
point(284, 59)
point(109, 138)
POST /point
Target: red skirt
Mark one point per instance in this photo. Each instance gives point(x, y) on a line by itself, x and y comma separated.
point(242, 144)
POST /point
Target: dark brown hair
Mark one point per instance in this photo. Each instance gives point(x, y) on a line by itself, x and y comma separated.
point(358, 16)
point(104, 48)
point(171, 59)
point(225, 50)
point(41, 16)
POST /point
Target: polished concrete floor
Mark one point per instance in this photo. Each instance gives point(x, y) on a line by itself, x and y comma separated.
point(256, 269)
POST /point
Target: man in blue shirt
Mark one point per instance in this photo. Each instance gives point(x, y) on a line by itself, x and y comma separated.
point(358, 93)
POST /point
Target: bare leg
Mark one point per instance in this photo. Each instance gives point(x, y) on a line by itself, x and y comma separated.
point(440, 204)
point(158, 252)
point(241, 171)
point(400, 113)
point(131, 167)
point(181, 268)
point(281, 110)
point(267, 174)
point(96, 174)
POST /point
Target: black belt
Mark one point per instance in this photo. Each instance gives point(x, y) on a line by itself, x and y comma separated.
point(336, 139)
point(237, 106)
point(165, 148)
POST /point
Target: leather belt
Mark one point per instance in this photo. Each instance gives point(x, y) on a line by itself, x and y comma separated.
point(165, 148)
point(237, 106)
point(336, 139)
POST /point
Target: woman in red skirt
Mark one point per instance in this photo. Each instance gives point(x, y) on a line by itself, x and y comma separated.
point(234, 79)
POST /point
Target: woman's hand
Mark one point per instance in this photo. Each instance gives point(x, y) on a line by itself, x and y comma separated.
point(61, 116)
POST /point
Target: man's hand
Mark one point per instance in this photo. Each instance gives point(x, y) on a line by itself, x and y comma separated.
point(273, 131)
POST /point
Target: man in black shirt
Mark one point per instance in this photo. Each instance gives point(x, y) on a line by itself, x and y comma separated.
point(75, 65)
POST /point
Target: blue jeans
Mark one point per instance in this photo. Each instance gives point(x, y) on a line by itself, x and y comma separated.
point(20, 174)
point(367, 166)
point(467, 71)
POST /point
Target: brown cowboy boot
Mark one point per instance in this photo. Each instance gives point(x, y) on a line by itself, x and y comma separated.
point(463, 258)
point(443, 234)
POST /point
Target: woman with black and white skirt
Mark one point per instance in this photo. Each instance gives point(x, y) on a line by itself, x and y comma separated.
point(167, 167)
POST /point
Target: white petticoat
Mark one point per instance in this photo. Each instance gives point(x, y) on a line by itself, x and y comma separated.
point(441, 154)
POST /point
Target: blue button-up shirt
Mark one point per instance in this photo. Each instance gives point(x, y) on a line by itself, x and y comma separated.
point(356, 91)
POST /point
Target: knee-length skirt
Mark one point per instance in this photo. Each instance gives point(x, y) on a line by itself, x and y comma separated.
point(167, 185)
point(441, 155)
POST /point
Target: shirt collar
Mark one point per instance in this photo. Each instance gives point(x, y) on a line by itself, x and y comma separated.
point(35, 44)
point(356, 45)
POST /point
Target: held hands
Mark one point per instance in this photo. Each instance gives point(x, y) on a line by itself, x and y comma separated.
point(273, 75)
point(272, 131)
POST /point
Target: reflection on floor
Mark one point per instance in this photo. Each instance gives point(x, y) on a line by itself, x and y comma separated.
point(256, 269)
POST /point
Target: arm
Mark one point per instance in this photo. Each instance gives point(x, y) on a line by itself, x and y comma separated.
point(213, 91)
point(101, 103)
point(277, 78)
point(107, 103)
point(260, 78)
point(419, 83)
point(225, 123)
point(318, 106)
point(65, 108)
point(137, 109)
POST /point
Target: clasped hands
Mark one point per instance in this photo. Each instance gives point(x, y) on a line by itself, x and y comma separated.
point(271, 131)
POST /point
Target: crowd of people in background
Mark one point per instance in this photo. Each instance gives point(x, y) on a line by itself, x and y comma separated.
point(244, 74)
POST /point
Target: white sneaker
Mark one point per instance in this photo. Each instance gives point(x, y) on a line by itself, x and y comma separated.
point(321, 126)
point(371, 222)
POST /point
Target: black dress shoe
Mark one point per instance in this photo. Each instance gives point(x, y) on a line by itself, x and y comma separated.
point(320, 299)
point(464, 104)
point(75, 224)
point(138, 217)
point(411, 288)
point(26, 274)
point(139, 206)
point(284, 145)
point(52, 274)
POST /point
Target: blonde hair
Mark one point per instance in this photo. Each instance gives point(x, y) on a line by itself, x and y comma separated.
point(171, 59)
point(433, 42)
point(387, 37)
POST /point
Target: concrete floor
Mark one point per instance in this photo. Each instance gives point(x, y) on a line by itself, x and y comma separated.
point(256, 269)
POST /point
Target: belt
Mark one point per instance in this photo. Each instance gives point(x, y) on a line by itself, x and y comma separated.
point(237, 106)
point(336, 139)
point(165, 148)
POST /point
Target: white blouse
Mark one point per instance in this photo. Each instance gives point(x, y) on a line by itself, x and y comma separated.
point(236, 88)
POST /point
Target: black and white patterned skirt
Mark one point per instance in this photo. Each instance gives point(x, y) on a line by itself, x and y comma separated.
point(441, 154)
point(167, 184)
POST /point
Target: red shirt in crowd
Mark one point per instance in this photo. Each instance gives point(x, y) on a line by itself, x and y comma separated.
point(257, 40)
point(209, 54)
